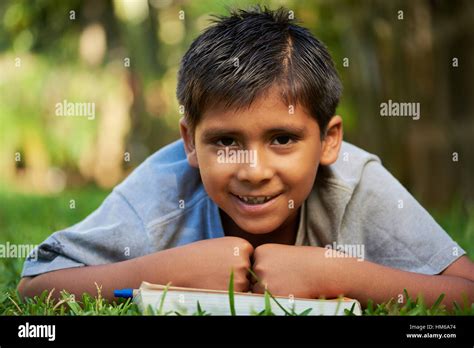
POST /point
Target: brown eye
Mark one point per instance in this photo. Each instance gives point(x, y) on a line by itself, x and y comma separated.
point(282, 140)
point(225, 142)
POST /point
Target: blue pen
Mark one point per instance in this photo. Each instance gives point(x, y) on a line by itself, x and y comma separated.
point(125, 293)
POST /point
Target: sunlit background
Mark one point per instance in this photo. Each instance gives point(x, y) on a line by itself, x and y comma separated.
point(124, 56)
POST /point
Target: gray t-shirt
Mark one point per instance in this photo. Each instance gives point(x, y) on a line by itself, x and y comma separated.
point(355, 206)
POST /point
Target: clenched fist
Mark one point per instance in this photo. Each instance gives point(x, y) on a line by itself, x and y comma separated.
point(301, 271)
point(207, 264)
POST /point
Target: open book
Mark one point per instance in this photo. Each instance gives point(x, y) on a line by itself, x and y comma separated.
point(185, 301)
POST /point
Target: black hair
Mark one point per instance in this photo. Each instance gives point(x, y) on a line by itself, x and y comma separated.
point(239, 58)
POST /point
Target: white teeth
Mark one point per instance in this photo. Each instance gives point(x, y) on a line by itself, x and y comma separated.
point(255, 200)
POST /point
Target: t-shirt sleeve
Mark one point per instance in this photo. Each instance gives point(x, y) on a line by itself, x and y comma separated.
point(112, 233)
point(396, 230)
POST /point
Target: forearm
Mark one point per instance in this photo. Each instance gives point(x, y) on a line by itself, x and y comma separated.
point(366, 280)
point(126, 274)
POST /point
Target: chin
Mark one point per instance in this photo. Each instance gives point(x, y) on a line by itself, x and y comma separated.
point(254, 227)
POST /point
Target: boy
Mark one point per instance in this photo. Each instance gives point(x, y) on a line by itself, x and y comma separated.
point(261, 179)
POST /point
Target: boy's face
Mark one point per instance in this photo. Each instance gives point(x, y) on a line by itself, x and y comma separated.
point(270, 163)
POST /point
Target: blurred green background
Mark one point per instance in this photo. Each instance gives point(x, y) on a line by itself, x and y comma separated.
point(124, 56)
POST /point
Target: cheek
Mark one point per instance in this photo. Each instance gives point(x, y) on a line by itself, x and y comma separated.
point(301, 181)
point(299, 174)
point(215, 176)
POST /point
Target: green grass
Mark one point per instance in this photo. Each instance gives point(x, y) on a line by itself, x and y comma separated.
point(29, 219)
point(45, 304)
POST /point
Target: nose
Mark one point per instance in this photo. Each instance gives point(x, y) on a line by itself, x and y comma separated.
point(257, 171)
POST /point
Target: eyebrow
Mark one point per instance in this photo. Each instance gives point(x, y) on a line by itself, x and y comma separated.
point(213, 133)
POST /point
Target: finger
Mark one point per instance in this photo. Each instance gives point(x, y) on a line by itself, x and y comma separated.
point(258, 288)
point(246, 287)
point(252, 259)
point(251, 278)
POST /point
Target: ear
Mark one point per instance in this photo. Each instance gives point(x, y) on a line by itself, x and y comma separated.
point(189, 147)
point(331, 143)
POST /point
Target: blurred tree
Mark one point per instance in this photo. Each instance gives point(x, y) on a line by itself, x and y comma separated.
point(124, 56)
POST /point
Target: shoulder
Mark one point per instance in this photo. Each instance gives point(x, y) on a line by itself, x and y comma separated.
point(163, 184)
point(349, 169)
point(334, 189)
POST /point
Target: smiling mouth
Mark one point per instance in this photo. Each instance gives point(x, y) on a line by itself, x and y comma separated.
point(255, 200)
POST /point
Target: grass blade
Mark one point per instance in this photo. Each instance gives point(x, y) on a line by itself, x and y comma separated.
point(305, 312)
point(162, 300)
point(269, 293)
point(231, 294)
point(268, 306)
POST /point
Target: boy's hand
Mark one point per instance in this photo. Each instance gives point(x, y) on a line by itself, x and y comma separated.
point(208, 263)
point(301, 271)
